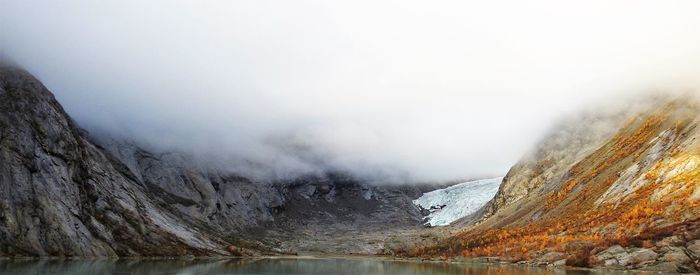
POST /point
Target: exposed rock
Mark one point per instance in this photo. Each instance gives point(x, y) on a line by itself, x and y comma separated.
point(692, 233)
point(612, 256)
point(561, 262)
point(642, 256)
point(339, 217)
point(671, 241)
point(552, 257)
point(694, 249)
point(676, 255)
point(62, 196)
point(621, 176)
point(65, 193)
point(549, 162)
point(614, 250)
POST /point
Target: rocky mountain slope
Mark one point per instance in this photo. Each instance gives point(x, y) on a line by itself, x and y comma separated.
point(65, 193)
point(619, 190)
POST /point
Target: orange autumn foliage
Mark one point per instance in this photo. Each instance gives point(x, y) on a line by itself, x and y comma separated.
point(570, 220)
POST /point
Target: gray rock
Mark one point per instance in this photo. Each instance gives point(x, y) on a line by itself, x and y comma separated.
point(642, 256)
point(676, 255)
point(308, 191)
point(612, 256)
point(62, 196)
point(614, 250)
point(611, 262)
point(670, 242)
point(551, 257)
point(693, 248)
point(623, 258)
point(66, 193)
point(663, 267)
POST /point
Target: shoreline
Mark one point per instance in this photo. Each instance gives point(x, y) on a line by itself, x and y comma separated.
point(320, 256)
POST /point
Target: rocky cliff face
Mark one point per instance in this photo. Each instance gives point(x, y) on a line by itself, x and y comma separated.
point(62, 196)
point(631, 179)
point(311, 213)
point(64, 193)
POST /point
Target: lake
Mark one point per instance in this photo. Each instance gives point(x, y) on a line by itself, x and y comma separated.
point(351, 265)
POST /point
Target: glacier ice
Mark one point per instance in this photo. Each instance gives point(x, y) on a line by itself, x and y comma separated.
point(457, 201)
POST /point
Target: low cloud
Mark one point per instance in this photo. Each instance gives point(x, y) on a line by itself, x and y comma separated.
point(403, 89)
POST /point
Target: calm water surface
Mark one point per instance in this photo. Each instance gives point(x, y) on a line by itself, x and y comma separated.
point(265, 266)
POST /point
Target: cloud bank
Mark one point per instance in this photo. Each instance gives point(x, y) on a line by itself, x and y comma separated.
point(429, 90)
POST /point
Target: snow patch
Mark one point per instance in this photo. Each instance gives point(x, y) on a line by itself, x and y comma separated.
point(455, 202)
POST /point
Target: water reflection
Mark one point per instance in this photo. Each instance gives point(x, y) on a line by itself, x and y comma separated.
point(264, 266)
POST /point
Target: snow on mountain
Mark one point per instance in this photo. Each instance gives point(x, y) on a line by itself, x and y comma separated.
point(455, 202)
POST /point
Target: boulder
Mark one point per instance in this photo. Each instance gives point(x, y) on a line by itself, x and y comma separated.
point(614, 255)
point(642, 256)
point(676, 255)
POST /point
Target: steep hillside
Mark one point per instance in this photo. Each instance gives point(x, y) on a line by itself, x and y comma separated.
point(65, 193)
point(310, 213)
point(591, 196)
point(62, 196)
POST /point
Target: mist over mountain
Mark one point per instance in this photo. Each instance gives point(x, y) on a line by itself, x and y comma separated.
point(328, 137)
point(409, 91)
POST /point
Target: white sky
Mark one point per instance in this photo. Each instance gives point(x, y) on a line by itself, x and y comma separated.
point(435, 89)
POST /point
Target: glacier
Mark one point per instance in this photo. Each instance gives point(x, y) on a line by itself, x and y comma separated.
point(457, 201)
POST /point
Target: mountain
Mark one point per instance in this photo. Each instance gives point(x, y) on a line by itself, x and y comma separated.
point(614, 188)
point(63, 196)
point(66, 193)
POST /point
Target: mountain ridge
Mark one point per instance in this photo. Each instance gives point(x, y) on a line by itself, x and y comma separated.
point(68, 194)
point(632, 189)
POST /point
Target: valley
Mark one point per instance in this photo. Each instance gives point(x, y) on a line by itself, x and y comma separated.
point(618, 190)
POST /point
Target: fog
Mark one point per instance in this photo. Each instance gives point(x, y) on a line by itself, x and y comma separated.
point(422, 90)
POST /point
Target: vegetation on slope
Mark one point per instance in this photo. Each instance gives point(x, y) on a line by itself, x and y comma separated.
point(639, 187)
